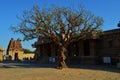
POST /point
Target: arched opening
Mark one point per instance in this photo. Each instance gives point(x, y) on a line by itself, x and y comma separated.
point(16, 56)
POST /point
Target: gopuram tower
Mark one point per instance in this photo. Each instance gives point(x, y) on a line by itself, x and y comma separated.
point(15, 50)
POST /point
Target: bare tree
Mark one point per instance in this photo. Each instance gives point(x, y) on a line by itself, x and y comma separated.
point(60, 25)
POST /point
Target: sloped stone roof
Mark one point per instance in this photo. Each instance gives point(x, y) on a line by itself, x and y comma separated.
point(112, 31)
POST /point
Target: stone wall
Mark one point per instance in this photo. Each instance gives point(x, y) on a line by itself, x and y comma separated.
point(1, 54)
point(88, 51)
point(109, 46)
point(29, 55)
point(15, 51)
point(20, 54)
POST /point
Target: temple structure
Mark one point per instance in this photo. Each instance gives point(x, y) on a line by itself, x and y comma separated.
point(15, 50)
point(101, 50)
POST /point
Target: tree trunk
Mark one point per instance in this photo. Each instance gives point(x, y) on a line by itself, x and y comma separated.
point(61, 57)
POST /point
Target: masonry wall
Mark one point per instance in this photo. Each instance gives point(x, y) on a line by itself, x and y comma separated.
point(1, 56)
point(12, 54)
point(109, 46)
point(28, 55)
point(89, 51)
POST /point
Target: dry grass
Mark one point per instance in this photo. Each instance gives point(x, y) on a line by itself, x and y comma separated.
point(15, 72)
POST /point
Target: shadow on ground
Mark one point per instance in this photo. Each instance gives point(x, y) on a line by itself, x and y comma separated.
point(108, 68)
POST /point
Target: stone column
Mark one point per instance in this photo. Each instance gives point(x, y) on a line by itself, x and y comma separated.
point(92, 47)
point(52, 49)
point(52, 59)
point(118, 64)
point(92, 51)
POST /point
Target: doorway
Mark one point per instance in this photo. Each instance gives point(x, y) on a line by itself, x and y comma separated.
point(16, 56)
point(86, 45)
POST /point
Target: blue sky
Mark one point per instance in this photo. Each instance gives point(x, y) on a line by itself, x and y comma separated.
point(108, 9)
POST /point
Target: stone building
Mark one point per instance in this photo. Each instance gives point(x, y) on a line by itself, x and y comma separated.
point(1, 54)
point(101, 50)
point(109, 46)
point(15, 50)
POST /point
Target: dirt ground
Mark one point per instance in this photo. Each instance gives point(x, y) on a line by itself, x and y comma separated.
point(18, 71)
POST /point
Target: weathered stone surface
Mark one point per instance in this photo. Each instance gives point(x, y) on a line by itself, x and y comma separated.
point(89, 51)
point(15, 50)
point(1, 54)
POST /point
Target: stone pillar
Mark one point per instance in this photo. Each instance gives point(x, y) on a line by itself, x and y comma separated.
point(52, 59)
point(44, 52)
point(53, 50)
point(116, 42)
point(92, 47)
point(118, 64)
point(92, 51)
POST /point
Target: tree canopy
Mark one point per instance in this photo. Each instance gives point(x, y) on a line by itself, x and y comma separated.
point(27, 50)
point(60, 25)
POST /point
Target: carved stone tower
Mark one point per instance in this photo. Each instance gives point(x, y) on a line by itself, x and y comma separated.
point(15, 50)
